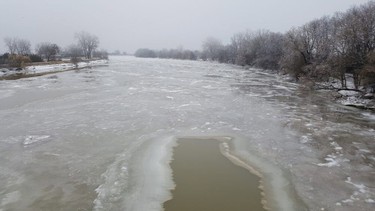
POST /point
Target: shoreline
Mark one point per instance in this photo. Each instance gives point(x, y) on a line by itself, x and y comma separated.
point(47, 69)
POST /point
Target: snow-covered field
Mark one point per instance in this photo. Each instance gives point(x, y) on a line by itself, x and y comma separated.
point(41, 69)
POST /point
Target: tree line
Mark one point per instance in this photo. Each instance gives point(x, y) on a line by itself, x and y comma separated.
point(328, 47)
point(20, 52)
point(323, 48)
point(178, 53)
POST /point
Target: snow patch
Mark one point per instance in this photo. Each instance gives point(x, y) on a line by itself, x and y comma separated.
point(349, 93)
point(52, 68)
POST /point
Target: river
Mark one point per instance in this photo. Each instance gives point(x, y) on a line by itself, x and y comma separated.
point(102, 138)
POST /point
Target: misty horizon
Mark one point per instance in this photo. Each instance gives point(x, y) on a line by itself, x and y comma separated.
point(130, 25)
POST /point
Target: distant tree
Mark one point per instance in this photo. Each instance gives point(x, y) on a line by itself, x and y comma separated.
point(4, 58)
point(265, 49)
point(88, 43)
point(48, 50)
point(35, 58)
point(75, 53)
point(262, 49)
point(145, 53)
point(116, 52)
point(212, 48)
point(240, 50)
point(23, 47)
point(11, 44)
point(102, 54)
point(18, 46)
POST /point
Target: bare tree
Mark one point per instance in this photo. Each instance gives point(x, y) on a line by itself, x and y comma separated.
point(211, 48)
point(48, 50)
point(11, 44)
point(75, 53)
point(355, 40)
point(18, 46)
point(23, 47)
point(87, 42)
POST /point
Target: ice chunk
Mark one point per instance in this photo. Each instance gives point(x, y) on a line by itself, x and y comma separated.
point(33, 139)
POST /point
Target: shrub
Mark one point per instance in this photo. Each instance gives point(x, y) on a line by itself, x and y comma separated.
point(75, 61)
point(18, 61)
point(35, 58)
point(4, 58)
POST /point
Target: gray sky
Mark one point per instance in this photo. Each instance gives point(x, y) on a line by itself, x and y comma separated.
point(131, 24)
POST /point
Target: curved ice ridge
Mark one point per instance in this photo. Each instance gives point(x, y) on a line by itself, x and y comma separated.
point(141, 178)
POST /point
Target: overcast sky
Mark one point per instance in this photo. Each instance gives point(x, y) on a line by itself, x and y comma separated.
point(127, 25)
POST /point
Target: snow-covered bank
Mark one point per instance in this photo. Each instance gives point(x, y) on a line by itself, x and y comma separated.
point(37, 70)
point(361, 98)
point(356, 99)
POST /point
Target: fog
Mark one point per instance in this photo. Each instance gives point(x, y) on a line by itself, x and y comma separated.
point(127, 25)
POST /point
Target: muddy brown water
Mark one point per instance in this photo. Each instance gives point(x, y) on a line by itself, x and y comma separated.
point(206, 180)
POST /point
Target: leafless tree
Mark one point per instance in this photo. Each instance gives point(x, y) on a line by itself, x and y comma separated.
point(48, 50)
point(23, 47)
point(355, 39)
point(18, 46)
point(212, 47)
point(75, 53)
point(11, 44)
point(87, 42)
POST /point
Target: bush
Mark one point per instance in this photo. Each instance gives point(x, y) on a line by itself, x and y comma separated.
point(35, 58)
point(145, 53)
point(75, 61)
point(18, 61)
point(4, 58)
point(100, 54)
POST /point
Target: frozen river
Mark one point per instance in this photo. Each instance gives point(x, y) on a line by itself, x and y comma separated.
point(101, 138)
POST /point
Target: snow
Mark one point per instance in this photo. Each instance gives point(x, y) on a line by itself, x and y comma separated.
point(349, 93)
point(349, 97)
point(40, 69)
point(357, 102)
point(64, 66)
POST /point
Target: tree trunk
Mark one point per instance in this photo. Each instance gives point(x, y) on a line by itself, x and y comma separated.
point(343, 80)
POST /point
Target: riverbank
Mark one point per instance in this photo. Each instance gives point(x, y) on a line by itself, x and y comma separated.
point(361, 98)
point(44, 69)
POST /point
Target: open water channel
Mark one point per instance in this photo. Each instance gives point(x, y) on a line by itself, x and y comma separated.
point(103, 138)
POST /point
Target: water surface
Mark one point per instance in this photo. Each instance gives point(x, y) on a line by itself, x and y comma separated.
point(102, 138)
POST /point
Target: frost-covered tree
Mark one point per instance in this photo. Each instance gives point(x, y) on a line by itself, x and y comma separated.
point(355, 39)
point(88, 43)
point(75, 53)
point(212, 48)
point(47, 50)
